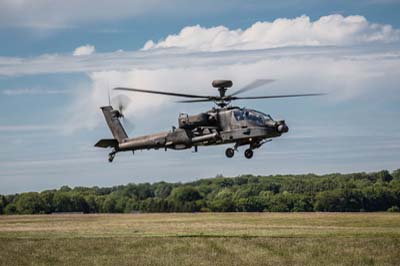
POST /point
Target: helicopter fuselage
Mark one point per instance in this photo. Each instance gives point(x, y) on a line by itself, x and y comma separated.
point(222, 125)
point(218, 126)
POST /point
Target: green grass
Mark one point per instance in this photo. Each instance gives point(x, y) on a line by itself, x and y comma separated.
point(201, 239)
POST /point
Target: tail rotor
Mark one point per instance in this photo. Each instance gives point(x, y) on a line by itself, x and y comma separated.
point(121, 103)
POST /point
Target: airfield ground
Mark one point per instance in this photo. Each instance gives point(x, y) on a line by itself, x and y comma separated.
point(201, 239)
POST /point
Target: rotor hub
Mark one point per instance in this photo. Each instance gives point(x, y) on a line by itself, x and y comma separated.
point(222, 86)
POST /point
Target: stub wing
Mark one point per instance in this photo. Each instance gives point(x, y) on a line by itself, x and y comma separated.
point(107, 143)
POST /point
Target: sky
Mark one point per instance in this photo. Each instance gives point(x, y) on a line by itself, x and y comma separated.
point(59, 59)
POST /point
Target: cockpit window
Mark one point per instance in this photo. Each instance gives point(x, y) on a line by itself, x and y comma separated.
point(265, 116)
point(239, 115)
point(251, 115)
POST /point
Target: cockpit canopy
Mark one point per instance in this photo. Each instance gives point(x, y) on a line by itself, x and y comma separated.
point(251, 116)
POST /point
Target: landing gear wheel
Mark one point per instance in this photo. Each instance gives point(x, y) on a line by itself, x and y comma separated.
point(229, 152)
point(248, 153)
point(111, 157)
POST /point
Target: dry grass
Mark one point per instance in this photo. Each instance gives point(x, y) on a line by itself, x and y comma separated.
point(202, 239)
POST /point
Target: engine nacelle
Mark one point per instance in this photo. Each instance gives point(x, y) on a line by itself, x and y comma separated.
point(192, 121)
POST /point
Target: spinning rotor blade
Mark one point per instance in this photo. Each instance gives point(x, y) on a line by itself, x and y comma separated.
point(197, 101)
point(121, 102)
point(221, 101)
point(276, 96)
point(253, 85)
point(163, 93)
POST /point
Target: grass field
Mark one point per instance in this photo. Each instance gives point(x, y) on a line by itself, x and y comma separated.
point(201, 239)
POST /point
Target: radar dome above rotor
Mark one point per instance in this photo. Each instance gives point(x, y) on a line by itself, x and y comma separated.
point(219, 83)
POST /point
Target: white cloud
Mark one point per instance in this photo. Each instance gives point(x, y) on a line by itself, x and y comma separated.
point(85, 112)
point(282, 32)
point(156, 59)
point(344, 77)
point(84, 50)
point(368, 69)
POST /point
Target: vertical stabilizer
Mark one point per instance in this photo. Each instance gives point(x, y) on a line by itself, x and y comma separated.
point(112, 118)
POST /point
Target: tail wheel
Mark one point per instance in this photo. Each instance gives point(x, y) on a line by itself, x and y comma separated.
point(229, 152)
point(248, 153)
point(111, 156)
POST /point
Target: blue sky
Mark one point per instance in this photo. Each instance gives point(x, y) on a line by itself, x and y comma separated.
point(50, 90)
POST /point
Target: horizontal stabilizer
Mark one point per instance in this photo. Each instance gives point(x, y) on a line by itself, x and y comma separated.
point(106, 143)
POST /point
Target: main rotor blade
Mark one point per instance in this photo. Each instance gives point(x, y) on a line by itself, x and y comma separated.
point(162, 92)
point(276, 96)
point(196, 101)
point(253, 85)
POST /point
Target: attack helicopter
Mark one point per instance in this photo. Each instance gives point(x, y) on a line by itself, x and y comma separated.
point(223, 124)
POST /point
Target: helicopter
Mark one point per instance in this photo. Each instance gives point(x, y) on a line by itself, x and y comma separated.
point(223, 124)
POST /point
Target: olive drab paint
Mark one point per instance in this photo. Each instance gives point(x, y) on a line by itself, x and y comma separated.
point(223, 124)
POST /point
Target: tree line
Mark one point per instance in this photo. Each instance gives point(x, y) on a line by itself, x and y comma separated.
point(378, 191)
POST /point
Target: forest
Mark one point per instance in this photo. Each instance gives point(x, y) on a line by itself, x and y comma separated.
point(355, 192)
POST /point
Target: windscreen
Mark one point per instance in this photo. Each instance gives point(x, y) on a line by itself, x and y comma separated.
point(251, 115)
